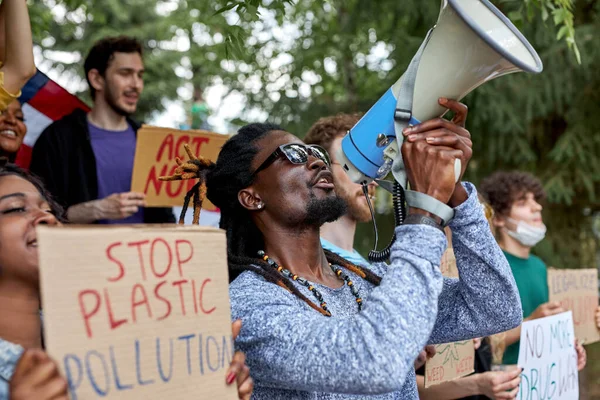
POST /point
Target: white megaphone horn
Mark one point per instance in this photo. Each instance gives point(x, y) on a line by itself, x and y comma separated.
point(471, 43)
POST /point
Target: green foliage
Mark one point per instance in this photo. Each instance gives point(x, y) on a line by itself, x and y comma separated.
point(561, 12)
point(546, 124)
point(183, 40)
point(299, 60)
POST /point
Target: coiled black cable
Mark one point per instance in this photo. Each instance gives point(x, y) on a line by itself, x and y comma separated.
point(398, 200)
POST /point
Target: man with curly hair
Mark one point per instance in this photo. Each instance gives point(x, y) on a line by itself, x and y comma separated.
point(338, 236)
point(516, 198)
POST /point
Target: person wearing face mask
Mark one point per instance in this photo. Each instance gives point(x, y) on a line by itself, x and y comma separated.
point(516, 198)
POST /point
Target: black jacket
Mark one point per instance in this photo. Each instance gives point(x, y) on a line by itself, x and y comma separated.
point(64, 159)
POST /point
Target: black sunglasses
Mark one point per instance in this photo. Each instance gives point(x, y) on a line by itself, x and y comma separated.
point(296, 154)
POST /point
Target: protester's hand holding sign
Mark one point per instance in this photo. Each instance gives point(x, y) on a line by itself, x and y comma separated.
point(499, 385)
point(581, 355)
point(424, 355)
point(37, 377)
point(449, 139)
point(115, 206)
point(546, 310)
point(16, 50)
point(119, 205)
point(238, 370)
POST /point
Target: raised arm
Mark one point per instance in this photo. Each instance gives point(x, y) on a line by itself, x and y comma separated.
point(17, 50)
point(288, 345)
point(485, 299)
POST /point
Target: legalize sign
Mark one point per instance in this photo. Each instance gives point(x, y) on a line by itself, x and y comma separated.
point(577, 291)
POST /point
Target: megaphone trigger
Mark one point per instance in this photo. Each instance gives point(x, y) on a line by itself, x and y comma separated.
point(385, 185)
point(457, 168)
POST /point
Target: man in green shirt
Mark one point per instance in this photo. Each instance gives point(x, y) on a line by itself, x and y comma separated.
point(516, 199)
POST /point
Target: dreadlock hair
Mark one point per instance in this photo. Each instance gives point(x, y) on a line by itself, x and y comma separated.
point(7, 169)
point(221, 182)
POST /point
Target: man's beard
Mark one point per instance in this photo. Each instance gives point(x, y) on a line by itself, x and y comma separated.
point(321, 211)
point(111, 99)
point(357, 210)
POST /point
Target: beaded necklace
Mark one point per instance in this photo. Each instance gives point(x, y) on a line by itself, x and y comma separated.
point(336, 270)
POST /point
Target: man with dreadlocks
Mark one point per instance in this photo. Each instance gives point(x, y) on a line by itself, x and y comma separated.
point(316, 326)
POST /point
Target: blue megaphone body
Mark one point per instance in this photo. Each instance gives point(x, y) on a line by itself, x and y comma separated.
point(365, 143)
point(471, 43)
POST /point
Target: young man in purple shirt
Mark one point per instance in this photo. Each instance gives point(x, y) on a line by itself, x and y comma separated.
point(86, 159)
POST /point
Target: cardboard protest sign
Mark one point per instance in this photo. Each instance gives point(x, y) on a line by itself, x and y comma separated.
point(448, 263)
point(548, 358)
point(137, 312)
point(577, 291)
point(155, 154)
point(451, 361)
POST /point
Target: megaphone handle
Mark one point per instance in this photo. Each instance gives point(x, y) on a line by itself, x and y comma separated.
point(457, 168)
point(398, 169)
point(404, 98)
point(421, 200)
point(430, 204)
point(403, 115)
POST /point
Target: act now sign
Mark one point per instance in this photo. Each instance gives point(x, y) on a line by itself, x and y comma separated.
point(155, 155)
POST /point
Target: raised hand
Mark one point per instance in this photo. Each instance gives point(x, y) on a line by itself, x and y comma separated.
point(447, 135)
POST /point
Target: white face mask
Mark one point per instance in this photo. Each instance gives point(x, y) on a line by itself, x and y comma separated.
point(528, 235)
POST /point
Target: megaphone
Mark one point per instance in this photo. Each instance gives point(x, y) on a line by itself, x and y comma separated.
point(471, 43)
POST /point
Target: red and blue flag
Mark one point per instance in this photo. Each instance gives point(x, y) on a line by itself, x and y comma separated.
point(43, 102)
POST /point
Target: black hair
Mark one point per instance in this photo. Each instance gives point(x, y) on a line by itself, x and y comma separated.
point(102, 53)
point(231, 173)
point(7, 169)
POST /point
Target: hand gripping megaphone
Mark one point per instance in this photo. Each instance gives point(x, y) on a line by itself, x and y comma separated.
point(471, 43)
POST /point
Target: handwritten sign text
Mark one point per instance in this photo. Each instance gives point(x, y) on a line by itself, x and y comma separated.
point(137, 312)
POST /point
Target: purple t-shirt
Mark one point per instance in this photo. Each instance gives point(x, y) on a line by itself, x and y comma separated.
point(114, 152)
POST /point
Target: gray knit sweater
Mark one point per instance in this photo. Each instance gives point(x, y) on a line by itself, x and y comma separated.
point(296, 353)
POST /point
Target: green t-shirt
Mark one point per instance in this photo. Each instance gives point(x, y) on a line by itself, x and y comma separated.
point(531, 276)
